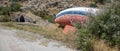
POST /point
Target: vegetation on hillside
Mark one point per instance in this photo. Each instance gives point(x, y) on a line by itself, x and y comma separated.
point(49, 31)
point(105, 26)
point(5, 11)
point(44, 15)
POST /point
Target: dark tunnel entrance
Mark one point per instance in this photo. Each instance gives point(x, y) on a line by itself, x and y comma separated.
point(22, 19)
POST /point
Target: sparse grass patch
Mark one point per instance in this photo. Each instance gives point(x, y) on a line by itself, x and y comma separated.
point(44, 15)
point(100, 45)
point(49, 31)
point(29, 36)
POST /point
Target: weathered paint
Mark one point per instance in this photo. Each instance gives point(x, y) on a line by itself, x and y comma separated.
point(78, 14)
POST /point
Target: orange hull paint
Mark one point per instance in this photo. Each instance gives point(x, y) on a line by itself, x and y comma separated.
point(68, 19)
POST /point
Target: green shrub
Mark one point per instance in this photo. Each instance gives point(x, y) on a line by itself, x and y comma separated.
point(41, 13)
point(84, 37)
point(85, 42)
point(4, 10)
point(4, 19)
point(93, 5)
point(49, 18)
point(107, 25)
point(12, 8)
point(15, 7)
point(44, 15)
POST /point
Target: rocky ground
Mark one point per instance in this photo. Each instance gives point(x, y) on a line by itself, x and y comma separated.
point(53, 6)
point(17, 40)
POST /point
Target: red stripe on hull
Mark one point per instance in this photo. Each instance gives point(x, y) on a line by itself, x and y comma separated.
point(67, 19)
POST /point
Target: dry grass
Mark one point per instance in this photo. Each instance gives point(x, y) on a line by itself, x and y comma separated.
point(49, 31)
point(27, 36)
point(100, 45)
point(53, 32)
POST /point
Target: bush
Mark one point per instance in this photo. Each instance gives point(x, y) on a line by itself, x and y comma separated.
point(107, 25)
point(12, 8)
point(15, 7)
point(4, 10)
point(85, 42)
point(41, 13)
point(49, 18)
point(93, 5)
point(44, 15)
point(84, 37)
point(4, 19)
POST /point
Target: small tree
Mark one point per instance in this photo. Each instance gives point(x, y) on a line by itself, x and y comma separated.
point(15, 7)
point(5, 11)
point(107, 24)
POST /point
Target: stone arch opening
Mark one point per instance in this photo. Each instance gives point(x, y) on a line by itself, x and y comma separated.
point(22, 19)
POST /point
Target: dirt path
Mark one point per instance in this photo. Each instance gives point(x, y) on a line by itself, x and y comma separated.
point(16, 40)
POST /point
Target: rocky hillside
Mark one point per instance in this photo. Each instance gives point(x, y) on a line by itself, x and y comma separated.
point(53, 6)
point(47, 9)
